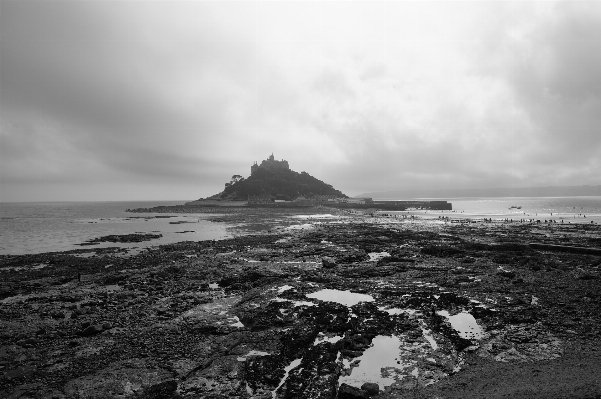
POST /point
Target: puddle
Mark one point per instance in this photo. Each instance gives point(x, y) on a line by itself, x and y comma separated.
point(295, 303)
point(399, 362)
point(343, 297)
point(465, 324)
point(322, 338)
point(237, 322)
point(252, 353)
point(428, 336)
point(257, 353)
point(294, 364)
point(381, 363)
point(320, 216)
point(376, 256)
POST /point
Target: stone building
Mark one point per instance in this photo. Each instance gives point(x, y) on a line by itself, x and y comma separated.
point(270, 163)
point(260, 199)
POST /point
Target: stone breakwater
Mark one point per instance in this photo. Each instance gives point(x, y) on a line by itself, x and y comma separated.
point(348, 308)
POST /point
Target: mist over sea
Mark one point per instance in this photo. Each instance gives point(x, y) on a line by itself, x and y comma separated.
point(27, 228)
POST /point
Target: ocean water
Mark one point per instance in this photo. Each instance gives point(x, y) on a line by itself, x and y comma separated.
point(27, 228)
point(568, 209)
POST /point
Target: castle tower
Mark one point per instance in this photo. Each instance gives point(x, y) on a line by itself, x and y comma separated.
point(270, 163)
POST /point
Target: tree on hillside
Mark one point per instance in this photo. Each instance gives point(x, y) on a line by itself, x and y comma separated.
point(236, 178)
point(286, 183)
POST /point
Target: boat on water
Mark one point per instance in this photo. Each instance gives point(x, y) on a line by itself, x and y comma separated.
point(515, 207)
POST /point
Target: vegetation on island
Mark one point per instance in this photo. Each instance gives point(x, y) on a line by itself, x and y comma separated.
point(280, 184)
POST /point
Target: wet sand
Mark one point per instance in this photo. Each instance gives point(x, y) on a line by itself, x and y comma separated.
point(314, 306)
point(513, 217)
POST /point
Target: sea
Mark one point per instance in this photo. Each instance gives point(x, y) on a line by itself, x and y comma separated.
point(580, 210)
point(38, 227)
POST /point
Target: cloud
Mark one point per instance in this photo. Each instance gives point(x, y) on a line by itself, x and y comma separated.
point(363, 95)
point(549, 62)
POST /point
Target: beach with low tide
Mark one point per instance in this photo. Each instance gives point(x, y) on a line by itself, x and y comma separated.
point(319, 304)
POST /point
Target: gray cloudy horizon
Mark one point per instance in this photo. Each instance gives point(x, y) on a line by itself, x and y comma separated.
point(166, 100)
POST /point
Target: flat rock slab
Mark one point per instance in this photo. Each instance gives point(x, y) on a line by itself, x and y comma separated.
point(124, 379)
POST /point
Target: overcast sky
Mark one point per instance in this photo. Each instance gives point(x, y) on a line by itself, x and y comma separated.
point(133, 100)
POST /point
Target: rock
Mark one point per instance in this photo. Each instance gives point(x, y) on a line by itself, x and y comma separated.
point(394, 260)
point(507, 273)
point(28, 391)
point(28, 342)
point(588, 276)
point(349, 392)
point(162, 310)
point(371, 388)
point(165, 389)
point(107, 326)
point(57, 314)
point(328, 262)
point(126, 378)
point(91, 330)
point(21, 371)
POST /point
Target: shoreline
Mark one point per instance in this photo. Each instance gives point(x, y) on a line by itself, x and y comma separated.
point(227, 317)
point(430, 214)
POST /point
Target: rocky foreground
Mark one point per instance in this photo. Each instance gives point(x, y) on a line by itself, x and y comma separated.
point(350, 308)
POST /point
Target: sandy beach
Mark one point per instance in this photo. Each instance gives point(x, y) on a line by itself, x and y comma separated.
point(319, 305)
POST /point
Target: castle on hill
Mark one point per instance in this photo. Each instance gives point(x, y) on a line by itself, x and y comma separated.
point(269, 163)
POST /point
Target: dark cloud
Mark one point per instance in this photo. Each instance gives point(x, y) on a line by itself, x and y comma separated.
point(366, 96)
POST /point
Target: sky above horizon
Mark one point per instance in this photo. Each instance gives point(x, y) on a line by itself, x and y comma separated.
point(166, 100)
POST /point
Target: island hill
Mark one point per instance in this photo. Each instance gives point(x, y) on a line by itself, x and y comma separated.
point(273, 184)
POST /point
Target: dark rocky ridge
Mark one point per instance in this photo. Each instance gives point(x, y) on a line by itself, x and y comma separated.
point(137, 237)
point(154, 325)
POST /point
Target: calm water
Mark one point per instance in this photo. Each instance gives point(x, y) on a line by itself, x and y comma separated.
point(27, 228)
point(568, 209)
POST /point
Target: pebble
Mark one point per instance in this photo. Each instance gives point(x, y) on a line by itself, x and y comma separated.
point(328, 262)
point(371, 388)
point(349, 392)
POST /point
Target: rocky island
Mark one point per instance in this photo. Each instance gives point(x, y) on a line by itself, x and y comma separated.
point(272, 184)
point(334, 305)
